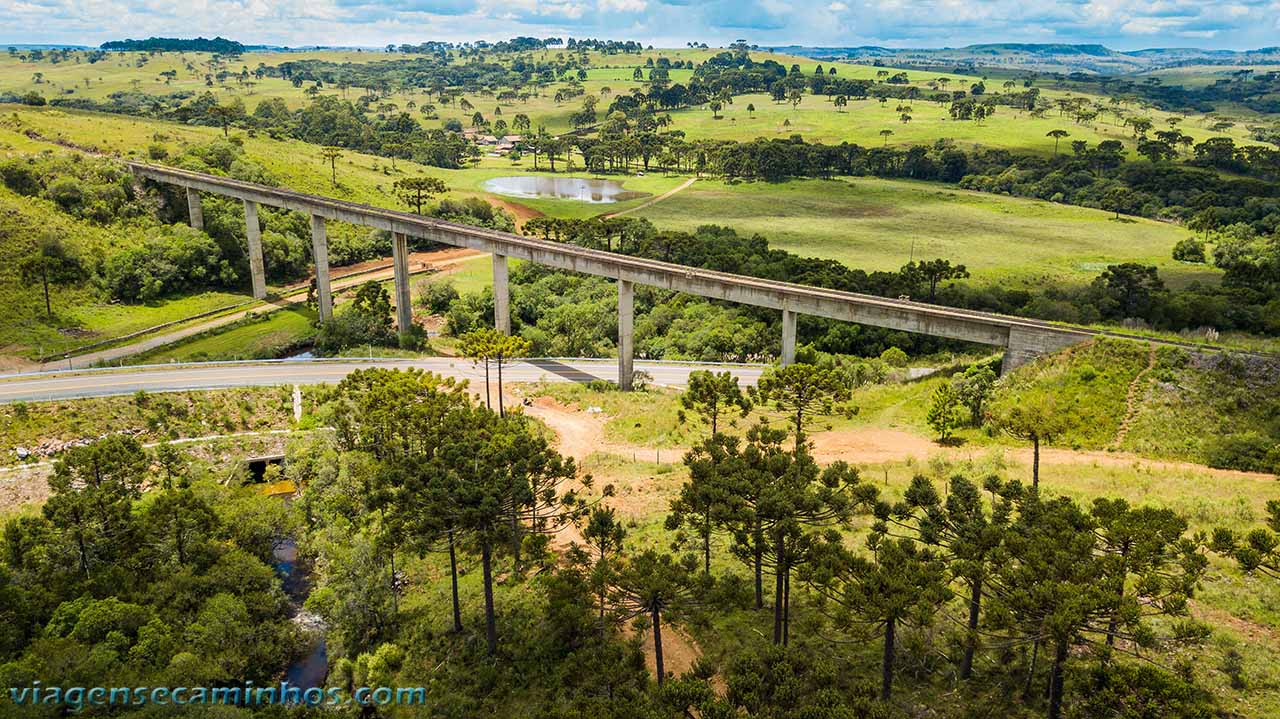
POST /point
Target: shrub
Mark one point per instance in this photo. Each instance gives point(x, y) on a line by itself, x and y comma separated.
point(469, 312)
point(1189, 249)
point(436, 295)
point(67, 193)
point(350, 328)
point(20, 177)
point(894, 357)
point(169, 260)
point(1246, 451)
point(366, 321)
point(474, 211)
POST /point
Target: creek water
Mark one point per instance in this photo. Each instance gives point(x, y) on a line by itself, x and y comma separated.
point(561, 188)
point(311, 669)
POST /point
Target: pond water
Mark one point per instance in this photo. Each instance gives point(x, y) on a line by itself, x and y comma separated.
point(562, 188)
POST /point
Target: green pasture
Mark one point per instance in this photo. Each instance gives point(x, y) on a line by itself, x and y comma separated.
point(876, 224)
point(816, 118)
point(256, 337)
point(862, 121)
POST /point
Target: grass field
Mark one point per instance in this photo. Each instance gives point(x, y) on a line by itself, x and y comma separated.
point(815, 118)
point(472, 275)
point(875, 224)
point(1199, 398)
point(259, 337)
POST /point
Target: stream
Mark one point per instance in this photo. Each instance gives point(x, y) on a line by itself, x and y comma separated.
point(310, 670)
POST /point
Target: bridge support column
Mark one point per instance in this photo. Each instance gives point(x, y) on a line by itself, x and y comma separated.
point(253, 232)
point(195, 210)
point(320, 255)
point(788, 337)
point(404, 298)
point(501, 295)
point(626, 340)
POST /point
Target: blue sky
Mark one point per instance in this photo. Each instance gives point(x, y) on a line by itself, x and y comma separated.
point(1121, 24)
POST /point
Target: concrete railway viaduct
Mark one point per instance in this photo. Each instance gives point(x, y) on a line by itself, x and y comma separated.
point(1022, 339)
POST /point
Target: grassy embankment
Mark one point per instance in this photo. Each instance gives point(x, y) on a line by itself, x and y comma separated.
point(154, 417)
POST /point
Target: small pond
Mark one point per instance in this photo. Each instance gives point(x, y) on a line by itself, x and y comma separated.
point(561, 188)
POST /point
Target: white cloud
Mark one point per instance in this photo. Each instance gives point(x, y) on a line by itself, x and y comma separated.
point(623, 5)
point(1123, 24)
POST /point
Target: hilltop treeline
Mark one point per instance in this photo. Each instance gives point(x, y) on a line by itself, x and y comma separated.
point(435, 74)
point(523, 44)
point(1258, 90)
point(218, 45)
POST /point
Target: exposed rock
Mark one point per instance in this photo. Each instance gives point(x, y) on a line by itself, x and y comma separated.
point(52, 447)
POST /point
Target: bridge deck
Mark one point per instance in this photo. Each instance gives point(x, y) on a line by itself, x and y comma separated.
point(904, 315)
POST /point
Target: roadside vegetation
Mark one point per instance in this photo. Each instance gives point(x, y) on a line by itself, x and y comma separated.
point(55, 425)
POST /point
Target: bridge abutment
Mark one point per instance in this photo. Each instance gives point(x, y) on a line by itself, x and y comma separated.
point(253, 233)
point(1027, 343)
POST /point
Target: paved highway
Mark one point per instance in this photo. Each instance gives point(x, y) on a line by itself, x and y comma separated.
point(221, 375)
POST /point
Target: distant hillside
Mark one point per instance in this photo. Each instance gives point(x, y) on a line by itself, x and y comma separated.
point(42, 46)
point(1216, 409)
point(1042, 57)
point(218, 45)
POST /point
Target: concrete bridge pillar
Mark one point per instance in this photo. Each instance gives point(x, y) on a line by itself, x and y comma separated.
point(626, 340)
point(253, 232)
point(788, 337)
point(501, 295)
point(320, 254)
point(400, 261)
point(194, 209)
